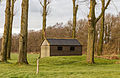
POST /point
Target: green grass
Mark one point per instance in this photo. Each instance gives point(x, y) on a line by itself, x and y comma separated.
point(60, 67)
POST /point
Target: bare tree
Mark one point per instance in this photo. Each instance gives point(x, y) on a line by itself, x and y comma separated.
point(59, 30)
point(45, 6)
point(3, 54)
point(92, 20)
point(75, 9)
point(23, 34)
point(100, 45)
point(10, 29)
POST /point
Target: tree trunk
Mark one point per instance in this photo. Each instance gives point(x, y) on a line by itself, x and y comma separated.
point(3, 54)
point(91, 33)
point(23, 34)
point(75, 9)
point(108, 34)
point(105, 32)
point(118, 50)
point(100, 45)
point(91, 30)
point(10, 30)
point(44, 20)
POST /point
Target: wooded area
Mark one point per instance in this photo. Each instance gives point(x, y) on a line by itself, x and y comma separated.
point(111, 37)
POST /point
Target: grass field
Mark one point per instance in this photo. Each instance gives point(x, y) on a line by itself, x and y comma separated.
point(60, 67)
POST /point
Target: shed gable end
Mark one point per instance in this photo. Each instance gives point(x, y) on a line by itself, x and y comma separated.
point(45, 43)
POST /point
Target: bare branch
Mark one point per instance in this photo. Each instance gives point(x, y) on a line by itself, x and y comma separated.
point(41, 3)
point(48, 2)
point(76, 9)
point(48, 10)
point(97, 19)
point(45, 5)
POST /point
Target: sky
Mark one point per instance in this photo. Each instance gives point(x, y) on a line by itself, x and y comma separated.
point(60, 11)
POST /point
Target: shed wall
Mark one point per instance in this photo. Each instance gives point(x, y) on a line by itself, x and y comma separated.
point(45, 51)
point(65, 51)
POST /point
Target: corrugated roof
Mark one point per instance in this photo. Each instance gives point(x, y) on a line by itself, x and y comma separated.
point(63, 42)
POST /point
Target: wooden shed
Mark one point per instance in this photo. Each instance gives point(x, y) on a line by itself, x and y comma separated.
point(60, 47)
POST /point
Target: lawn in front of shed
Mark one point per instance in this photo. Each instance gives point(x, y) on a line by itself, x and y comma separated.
point(60, 67)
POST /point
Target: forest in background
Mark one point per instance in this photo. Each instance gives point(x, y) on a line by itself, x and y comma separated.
point(60, 30)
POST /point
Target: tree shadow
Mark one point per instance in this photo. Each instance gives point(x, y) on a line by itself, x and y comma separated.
point(5, 62)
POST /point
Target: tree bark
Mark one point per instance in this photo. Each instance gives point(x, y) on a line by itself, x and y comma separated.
point(105, 32)
point(118, 46)
point(91, 32)
point(108, 34)
point(44, 20)
point(100, 45)
point(75, 9)
point(10, 30)
point(23, 34)
point(3, 54)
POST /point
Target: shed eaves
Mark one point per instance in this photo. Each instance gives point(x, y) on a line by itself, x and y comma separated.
point(63, 42)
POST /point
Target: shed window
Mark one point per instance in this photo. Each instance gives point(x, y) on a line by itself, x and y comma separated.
point(72, 48)
point(60, 48)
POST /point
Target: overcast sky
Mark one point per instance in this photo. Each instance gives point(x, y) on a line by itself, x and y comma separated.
point(60, 11)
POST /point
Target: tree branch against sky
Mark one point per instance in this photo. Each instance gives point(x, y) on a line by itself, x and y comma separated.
point(75, 10)
point(45, 11)
point(100, 45)
point(59, 13)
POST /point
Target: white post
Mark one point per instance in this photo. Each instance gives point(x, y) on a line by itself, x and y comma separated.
point(37, 66)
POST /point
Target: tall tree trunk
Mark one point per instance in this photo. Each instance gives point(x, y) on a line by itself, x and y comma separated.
point(100, 45)
point(10, 30)
point(91, 32)
point(75, 9)
point(3, 54)
point(23, 34)
point(44, 20)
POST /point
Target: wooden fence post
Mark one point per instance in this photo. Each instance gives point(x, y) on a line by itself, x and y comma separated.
point(37, 65)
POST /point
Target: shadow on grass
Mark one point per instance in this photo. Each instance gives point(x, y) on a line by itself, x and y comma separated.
point(5, 62)
point(76, 61)
point(63, 60)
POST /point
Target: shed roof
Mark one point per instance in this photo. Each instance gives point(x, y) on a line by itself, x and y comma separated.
point(63, 42)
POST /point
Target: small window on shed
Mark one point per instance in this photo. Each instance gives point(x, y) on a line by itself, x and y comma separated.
point(72, 48)
point(60, 48)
